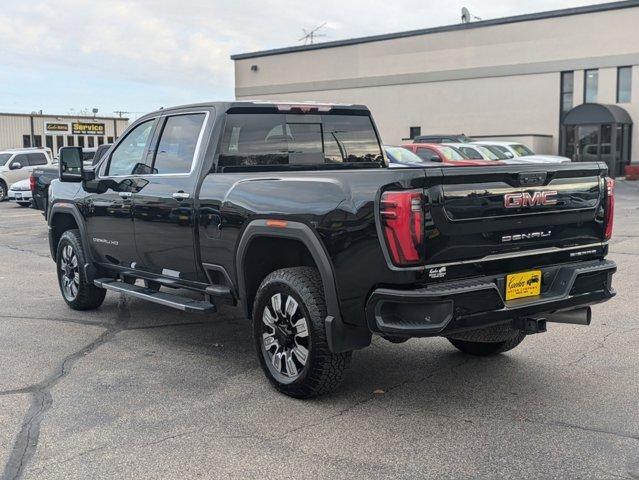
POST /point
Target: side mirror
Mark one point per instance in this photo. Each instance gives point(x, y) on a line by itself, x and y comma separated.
point(15, 166)
point(71, 168)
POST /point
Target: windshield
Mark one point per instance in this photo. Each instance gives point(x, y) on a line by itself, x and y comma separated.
point(522, 150)
point(502, 152)
point(450, 153)
point(401, 155)
point(4, 158)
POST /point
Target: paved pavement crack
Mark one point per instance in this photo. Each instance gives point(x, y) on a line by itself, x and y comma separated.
point(61, 320)
point(558, 423)
point(600, 345)
point(25, 250)
point(26, 443)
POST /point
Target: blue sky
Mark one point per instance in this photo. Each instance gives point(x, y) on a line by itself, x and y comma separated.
point(138, 55)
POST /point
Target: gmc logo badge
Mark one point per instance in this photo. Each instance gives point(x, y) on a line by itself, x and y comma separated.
point(525, 199)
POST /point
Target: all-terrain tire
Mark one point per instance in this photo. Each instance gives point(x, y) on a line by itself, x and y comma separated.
point(323, 370)
point(485, 349)
point(83, 295)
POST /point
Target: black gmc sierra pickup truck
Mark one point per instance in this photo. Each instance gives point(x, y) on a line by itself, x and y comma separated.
point(291, 211)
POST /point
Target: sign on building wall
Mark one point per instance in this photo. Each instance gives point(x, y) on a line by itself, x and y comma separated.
point(84, 128)
point(51, 128)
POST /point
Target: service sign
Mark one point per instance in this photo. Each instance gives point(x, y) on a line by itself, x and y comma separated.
point(55, 128)
point(85, 128)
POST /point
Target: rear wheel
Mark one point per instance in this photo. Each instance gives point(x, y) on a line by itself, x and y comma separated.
point(290, 337)
point(76, 289)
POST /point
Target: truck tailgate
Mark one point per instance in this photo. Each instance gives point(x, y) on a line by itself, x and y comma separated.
point(478, 211)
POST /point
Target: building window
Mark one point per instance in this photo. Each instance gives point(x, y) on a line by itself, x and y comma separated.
point(415, 132)
point(91, 142)
point(26, 141)
point(591, 85)
point(624, 84)
point(567, 90)
point(80, 141)
point(37, 140)
point(49, 140)
point(109, 139)
point(70, 140)
point(59, 142)
point(100, 140)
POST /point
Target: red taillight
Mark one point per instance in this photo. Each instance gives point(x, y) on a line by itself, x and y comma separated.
point(32, 183)
point(403, 222)
point(609, 213)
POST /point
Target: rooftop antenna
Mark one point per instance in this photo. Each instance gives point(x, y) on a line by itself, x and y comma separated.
point(467, 17)
point(310, 35)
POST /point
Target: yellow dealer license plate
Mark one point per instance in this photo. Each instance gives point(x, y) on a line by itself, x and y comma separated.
point(524, 284)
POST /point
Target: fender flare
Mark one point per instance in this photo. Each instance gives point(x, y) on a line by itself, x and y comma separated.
point(67, 208)
point(341, 337)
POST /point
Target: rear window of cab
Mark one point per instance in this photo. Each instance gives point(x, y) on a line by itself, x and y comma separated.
point(260, 140)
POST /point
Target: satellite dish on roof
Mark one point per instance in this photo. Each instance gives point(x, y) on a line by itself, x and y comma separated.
point(466, 17)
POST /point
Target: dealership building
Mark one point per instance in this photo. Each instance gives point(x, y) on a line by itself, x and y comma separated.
point(564, 81)
point(19, 130)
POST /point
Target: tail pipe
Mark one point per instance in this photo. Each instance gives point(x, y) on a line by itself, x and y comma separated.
point(579, 316)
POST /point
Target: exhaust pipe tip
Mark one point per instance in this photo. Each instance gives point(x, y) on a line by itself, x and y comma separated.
point(578, 316)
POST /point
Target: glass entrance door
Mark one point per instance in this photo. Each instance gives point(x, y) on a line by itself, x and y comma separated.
point(587, 144)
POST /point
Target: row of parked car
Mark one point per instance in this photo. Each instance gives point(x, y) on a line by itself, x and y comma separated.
point(22, 170)
point(28, 170)
point(459, 150)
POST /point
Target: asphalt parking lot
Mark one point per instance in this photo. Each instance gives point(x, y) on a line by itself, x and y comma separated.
point(134, 390)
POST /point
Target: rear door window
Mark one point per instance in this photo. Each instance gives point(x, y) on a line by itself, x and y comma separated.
point(36, 159)
point(251, 140)
point(178, 143)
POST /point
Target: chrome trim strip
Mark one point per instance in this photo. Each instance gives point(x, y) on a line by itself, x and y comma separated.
point(519, 253)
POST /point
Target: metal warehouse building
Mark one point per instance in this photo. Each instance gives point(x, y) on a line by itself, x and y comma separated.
point(561, 81)
point(55, 131)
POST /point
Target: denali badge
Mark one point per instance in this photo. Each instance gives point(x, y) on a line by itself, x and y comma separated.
point(526, 236)
point(525, 199)
point(437, 272)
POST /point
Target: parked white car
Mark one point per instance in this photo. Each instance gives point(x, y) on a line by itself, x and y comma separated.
point(521, 152)
point(20, 192)
point(16, 165)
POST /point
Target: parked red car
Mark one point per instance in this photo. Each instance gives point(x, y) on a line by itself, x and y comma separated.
point(436, 152)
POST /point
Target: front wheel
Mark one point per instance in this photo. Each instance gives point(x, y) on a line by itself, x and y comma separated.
point(290, 337)
point(3, 191)
point(76, 289)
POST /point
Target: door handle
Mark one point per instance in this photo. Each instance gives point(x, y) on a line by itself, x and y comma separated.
point(125, 194)
point(180, 195)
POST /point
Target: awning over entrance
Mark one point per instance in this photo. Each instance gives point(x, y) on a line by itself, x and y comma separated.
point(593, 132)
point(596, 113)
